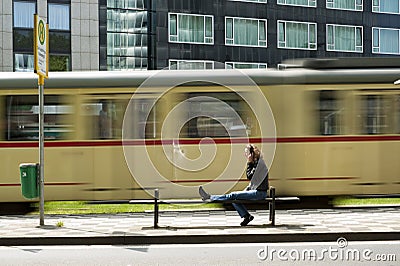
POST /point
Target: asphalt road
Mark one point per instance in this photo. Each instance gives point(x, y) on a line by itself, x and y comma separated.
point(318, 253)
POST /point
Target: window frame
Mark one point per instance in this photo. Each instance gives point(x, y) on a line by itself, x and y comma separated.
point(126, 46)
point(258, 32)
point(170, 36)
point(31, 23)
point(259, 65)
point(279, 46)
point(378, 47)
point(251, 1)
point(355, 35)
point(327, 3)
point(376, 8)
point(69, 17)
point(179, 61)
point(283, 3)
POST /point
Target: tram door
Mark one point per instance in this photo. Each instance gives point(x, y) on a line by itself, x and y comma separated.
point(379, 117)
point(101, 123)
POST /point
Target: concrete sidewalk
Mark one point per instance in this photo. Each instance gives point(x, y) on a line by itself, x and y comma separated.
point(200, 226)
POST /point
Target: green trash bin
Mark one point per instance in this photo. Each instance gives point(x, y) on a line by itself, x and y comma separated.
point(29, 183)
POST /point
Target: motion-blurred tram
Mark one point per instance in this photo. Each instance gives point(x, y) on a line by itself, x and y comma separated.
point(337, 125)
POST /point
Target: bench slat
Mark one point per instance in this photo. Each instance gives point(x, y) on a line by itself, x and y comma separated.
point(196, 201)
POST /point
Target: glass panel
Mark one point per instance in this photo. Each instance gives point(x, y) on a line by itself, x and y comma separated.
point(103, 117)
point(191, 29)
point(23, 117)
point(222, 115)
point(374, 114)
point(312, 33)
point(389, 6)
point(359, 36)
point(59, 17)
point(145, 121)
point(281, 32)
point(297, 35)
point(330, 115)
point(375, 37)
point(127, 34)
point(172, 24)
point(209, 31)
point(60, 42)
point(59, 63)
point(389, 41)
point(297, 2)
point(23, 62)
point(23, 14)
point(262, 30)
point(245, 32)
point(229, 28)
point(23, 40)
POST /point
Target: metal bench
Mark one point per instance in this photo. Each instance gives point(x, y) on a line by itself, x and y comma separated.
point(272, 200)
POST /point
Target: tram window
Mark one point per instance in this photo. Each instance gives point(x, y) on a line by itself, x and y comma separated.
point(104, 118)
point(374, 114)
point(216, 115)
point(330, 114)
point(22, 112)
point(143, 119)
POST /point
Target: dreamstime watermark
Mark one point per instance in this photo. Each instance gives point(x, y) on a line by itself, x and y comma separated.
point(340, 252)
point(161, 161)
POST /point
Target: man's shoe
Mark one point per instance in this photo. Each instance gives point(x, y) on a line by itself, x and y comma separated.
point(247, 219)
point(203, 194)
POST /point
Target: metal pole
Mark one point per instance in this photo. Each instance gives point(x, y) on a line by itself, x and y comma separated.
point(156, 197)
point(41, 147)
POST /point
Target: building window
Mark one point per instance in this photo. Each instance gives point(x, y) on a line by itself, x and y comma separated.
point(385, 41)
point(59, 17)
point(307, 3)
point(242, 65)
point(23, 35)
point(185, 28)
point(23, 62)
point(354, 5)
point(127, 35)
point(246, 32)
point(60, 37)
point(252, 1)
point(297, 35)
point(386, 6)
point(23, 14)
point(190, 64)
point(343, 38)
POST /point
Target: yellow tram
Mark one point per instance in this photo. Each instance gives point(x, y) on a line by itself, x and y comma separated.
point(336, 131)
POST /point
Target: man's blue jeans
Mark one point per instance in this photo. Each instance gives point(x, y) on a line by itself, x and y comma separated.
point(241, 195)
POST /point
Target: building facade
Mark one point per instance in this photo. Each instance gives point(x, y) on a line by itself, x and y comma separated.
point(90, 35)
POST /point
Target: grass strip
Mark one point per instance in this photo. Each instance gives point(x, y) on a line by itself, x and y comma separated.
point(82, 207)
point(351, 201)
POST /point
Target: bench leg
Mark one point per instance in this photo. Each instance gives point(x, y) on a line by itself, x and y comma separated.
point(272, 206)
point(156, 209)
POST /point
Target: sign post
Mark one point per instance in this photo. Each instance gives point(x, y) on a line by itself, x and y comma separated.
point(41, 58)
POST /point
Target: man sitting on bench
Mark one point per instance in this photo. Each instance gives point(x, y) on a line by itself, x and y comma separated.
point(257, 173)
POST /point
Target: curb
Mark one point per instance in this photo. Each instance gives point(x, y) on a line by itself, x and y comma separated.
point(199, 239)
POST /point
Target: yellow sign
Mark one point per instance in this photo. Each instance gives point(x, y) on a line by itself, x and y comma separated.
point(41, 46)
